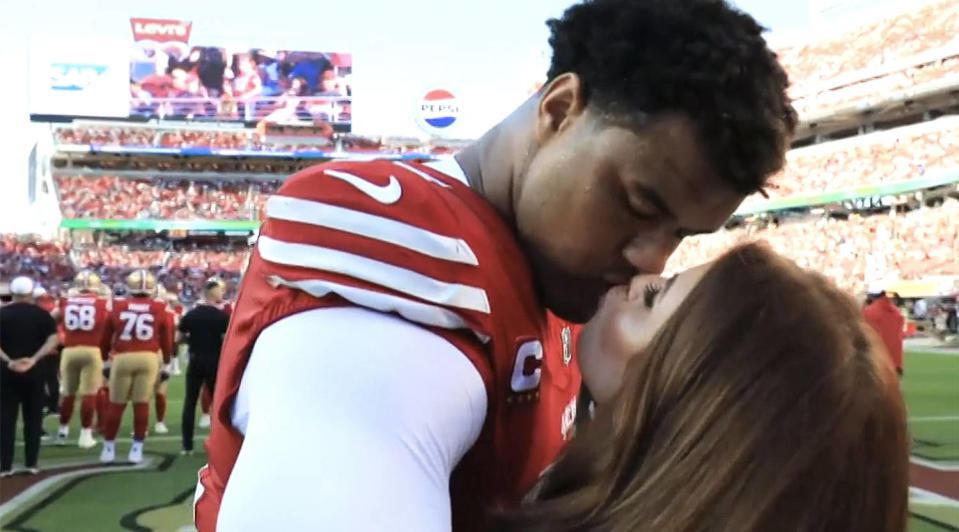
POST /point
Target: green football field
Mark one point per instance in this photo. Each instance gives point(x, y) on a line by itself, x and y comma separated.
point(931, 388)
point(159, 495)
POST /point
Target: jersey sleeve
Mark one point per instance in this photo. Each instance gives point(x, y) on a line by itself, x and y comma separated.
point(409, 443)
point(376, 235)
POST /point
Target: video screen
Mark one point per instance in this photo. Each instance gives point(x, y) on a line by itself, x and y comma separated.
point(171, 80)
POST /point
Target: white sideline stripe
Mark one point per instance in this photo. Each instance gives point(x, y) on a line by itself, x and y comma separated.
point(921, 419)
point(938, 466)
point(414, 311)
point(47, 483)
point(928, 497)
point(369, 225)
point(374, 271)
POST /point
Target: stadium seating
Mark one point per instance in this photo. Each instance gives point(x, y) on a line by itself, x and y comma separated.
point(40, 259)
point(105, 136)
point(872, 90)
point(889, 157)
point(928, 27)
point(54, 264)
point(206, 139)
point(161, 197)
point(909, 245)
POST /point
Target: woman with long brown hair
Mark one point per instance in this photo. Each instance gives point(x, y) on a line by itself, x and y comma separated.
point(742, 395)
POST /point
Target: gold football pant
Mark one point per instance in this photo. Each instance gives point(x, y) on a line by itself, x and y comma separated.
point(133, 375)
point(80, 368)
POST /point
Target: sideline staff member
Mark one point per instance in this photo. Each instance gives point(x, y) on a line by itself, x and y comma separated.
point(27, 334)
point(203, 328)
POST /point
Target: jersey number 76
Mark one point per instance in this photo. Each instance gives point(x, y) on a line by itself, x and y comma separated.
point(136, 324)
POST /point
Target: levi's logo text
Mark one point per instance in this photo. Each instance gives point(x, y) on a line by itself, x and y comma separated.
point(386, 194)
point(160, 30)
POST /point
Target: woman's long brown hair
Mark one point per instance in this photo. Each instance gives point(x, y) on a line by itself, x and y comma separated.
point(763, 404)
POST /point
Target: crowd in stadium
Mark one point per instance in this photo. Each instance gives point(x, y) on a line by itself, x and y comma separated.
point(161, 197)
point(890, 157)
point(929, 26)
point(852, 251)
point(893, 156)
point(42, 259)
point(912, 244)
point(182, 271)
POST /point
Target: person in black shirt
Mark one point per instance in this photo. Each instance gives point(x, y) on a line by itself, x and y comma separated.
point(27, 334)
point(203, 327)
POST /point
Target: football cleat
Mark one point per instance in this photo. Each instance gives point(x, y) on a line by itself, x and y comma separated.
point(161, 428)
point(62, 435)
point(136, 452)
point(109, 452)
point(86, 441)
point(205, 421)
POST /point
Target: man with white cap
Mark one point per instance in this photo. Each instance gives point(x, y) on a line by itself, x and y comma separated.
point(27, 334)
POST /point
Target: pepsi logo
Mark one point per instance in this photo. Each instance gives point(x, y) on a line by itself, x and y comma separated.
point(439, 109)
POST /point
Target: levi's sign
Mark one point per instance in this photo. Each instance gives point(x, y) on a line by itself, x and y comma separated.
point(160, 30)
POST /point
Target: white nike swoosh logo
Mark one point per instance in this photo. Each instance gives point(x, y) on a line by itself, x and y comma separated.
point(385, 194)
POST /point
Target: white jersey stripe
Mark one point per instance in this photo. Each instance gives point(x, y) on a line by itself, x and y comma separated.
point(414, 311)
point(371, 226)
point(449, 166)
point(424, 175)
point(381, 273)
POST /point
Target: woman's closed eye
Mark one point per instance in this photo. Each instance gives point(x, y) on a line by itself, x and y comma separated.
point(650, 292)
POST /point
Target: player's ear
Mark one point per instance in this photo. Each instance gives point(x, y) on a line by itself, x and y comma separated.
point(561, 102)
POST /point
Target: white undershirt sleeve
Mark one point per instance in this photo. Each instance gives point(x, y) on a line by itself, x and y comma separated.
point(353, 420)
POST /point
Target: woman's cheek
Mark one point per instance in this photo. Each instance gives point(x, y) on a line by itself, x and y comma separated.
point(631, 334)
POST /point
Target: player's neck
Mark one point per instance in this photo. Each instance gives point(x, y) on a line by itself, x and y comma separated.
point(492, 163)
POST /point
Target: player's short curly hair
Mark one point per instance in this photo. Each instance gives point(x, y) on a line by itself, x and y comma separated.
point(704, 58)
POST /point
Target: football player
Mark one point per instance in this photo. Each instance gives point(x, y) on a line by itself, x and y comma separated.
point(174, 309)
point(85, 318)
point(103, 392)
point(142, 336)
point(412, 321)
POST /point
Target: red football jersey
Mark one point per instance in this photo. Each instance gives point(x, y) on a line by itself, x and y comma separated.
point(86, 321)
point(141, 324)
point(406, 239)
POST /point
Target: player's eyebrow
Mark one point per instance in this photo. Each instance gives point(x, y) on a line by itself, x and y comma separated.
point(651, 195)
